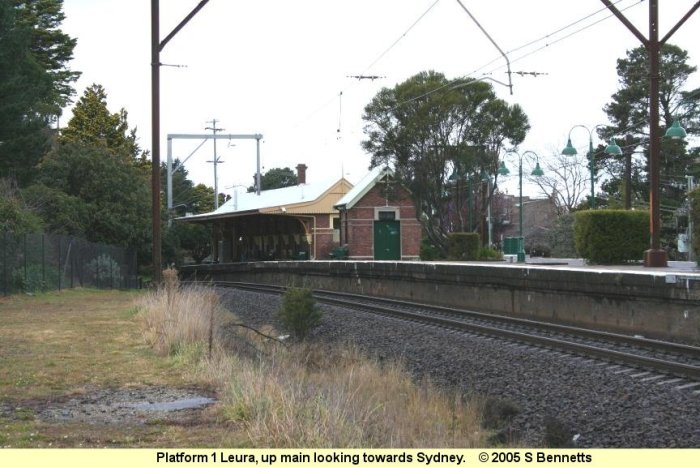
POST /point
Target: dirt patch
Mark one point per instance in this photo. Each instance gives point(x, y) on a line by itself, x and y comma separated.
point(131, 406)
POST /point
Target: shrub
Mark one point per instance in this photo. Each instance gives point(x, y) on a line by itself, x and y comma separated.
point(104, 271)
point(299, 313)
point(490, 254)
point(557, 434)
point(561, 237)
point(463, 246)
point(14, 215)
point(428, 251)
point(539, 249)
point(35, 279)
point(695, 216)
point(611, 236)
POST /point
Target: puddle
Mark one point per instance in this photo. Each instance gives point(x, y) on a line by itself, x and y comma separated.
point(120, 406)
point(171, 406)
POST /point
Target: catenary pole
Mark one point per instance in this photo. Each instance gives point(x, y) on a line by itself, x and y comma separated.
point(654, 256)
point(156, 48)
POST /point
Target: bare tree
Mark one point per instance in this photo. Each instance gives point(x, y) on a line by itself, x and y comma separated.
point(565, 180)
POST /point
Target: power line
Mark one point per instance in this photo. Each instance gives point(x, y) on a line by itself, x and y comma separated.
point(361, 77)
point(469, 75)
point(400, 37)
point(386, 51)
point(484, 76)
point(564, 37)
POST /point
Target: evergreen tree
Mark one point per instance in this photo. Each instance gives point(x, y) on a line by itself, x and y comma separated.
point(628, 113)
point(435, 131)
point(85, 190)
point(50, 47)
point(93, 124)
point(35, 82)
point(276, 178)
point(91, 184)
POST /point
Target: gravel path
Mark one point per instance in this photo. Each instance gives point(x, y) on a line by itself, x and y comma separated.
point(556, 395)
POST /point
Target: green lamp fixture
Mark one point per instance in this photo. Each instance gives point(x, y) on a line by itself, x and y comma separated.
point(502, 169)
point(537, 171)
point(613, 149)
point(676, 131)
point(569, 150)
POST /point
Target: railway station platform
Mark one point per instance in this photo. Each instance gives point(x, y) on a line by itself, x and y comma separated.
point(674, 267)
point(662, 303)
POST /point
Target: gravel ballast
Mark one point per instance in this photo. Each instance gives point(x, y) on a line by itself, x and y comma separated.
point(559, 398)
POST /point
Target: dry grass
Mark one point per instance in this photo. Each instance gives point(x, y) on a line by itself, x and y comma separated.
point(175, 318)
point(73, 342)
point(305, 396)
point(309, 396)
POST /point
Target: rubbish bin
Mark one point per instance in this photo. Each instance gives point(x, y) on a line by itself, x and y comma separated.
point(508, 246)
point(512, 245)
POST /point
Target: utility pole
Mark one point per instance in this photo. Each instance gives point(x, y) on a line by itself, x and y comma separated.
point(156, 47)
point(216, 162)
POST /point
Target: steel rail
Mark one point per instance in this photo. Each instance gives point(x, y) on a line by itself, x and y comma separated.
point(676, 368)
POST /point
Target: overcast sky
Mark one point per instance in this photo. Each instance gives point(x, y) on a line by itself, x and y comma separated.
point(277, 68)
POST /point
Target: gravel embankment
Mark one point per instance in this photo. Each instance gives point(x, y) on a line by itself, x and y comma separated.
point(578, 397)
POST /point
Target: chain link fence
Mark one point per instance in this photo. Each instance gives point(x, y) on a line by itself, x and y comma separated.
point(39, 262)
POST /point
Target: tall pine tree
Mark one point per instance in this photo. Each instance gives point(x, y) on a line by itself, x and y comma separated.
point(35, 82)
point(628, 113)
point(93, 124)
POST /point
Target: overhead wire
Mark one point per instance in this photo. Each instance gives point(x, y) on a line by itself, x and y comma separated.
point(374, 62)
point(546, 36)
point(400, 37)
point(469, 75)
point(572, 33)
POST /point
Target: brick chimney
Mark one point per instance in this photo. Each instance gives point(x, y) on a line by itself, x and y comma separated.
point(301, 174)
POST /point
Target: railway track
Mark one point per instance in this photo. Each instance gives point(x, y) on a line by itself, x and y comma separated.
point(670, 358)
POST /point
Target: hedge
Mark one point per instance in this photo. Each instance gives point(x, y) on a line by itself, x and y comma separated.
point(610, 236)
point(463, 246)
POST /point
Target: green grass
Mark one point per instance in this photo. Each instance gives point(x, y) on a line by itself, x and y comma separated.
point(58, 344)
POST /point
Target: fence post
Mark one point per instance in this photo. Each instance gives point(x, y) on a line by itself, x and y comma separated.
point(4, 263)
point(135, 256)
point(72, 266)
point(43, 260)
point(25, 261)
point(97, 267)
point(59, 263)
point(111, 274)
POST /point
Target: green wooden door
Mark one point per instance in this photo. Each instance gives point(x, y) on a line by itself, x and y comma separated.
point(387, 240)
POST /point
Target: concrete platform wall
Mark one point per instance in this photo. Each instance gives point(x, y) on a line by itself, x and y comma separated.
point(665, 306)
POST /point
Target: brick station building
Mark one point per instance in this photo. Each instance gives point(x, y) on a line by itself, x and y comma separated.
point(378, 219)
point(375, 219)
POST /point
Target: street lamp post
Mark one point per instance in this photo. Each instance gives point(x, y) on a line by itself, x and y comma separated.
point(612, 148)
point(537, 172)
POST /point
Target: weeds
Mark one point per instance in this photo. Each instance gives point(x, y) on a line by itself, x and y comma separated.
point(173, 317)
